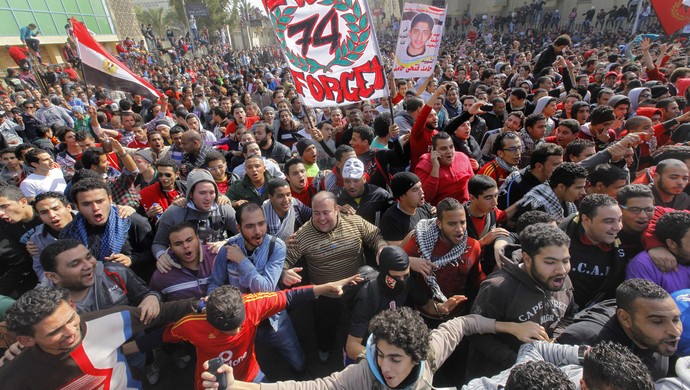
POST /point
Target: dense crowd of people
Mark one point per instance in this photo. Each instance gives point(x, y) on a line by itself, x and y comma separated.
point(520, 218)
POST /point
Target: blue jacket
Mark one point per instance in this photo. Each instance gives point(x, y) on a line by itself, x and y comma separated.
point(25, 33)
point(260, 274)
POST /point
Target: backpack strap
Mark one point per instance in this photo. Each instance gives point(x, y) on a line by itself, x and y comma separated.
point(115, 277)
point(471, 230)
point(271, 246)
point(386, 176)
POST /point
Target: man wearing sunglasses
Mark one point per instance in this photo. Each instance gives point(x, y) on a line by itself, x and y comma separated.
point(31, 122)
point(157, 197)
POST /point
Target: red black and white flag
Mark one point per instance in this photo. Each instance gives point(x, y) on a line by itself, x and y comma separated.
point(104, 70)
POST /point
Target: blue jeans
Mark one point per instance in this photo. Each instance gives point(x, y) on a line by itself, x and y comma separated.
point(284, 340)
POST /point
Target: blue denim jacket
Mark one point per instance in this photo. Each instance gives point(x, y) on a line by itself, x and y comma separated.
point(254, 274)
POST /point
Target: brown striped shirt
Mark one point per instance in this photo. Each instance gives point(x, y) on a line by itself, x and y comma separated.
point(337, 254)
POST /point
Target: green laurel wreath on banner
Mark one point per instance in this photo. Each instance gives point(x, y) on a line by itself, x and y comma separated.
point(347, 53)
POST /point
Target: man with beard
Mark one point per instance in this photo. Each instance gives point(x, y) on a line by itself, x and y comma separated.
point(391, 289)
point(537, 290)
point(444, 258)
point(672, 230)
point(424, 128)
point(253, 261)
point(670, 180)
point(358, 197)
point(411, 208)
point(444, 172)
point(643, 317)
point(262, 96)
point(270, 149)
point(287, 126)
point(507, 148)
point(545, 158)
point(284, 213)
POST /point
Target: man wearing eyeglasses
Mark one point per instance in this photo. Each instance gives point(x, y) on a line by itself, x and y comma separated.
point(216, 164)
point(636, 202)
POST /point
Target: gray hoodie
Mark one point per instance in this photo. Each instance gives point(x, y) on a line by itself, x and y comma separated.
point(217, 224)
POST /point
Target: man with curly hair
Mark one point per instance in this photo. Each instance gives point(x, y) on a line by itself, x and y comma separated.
point(401, 353)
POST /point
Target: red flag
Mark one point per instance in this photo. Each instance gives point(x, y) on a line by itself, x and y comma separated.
point(672, 14)
point(104, 70)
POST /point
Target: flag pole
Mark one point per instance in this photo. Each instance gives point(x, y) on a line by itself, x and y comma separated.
point(390, 102)
point(81, 62)
point(637, 17)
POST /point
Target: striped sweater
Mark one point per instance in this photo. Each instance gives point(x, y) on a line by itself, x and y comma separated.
point(337, 254)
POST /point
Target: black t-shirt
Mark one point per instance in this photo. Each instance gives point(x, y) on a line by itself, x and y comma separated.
point(395, 224)
point(13, 238)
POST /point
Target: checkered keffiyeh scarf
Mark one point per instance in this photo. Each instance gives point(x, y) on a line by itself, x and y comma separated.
point(504, 165)
point(281, 229)
point(543, 195)
point(426, 235)
point(513, 175)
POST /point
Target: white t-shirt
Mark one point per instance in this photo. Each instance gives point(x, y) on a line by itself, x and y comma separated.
point(35, 184)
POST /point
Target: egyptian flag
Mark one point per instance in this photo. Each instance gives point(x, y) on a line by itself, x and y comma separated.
point(672, 14)
point(104, 70)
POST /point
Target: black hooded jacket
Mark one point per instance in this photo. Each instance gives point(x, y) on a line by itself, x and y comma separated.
point(510, 294)
point(600, 323)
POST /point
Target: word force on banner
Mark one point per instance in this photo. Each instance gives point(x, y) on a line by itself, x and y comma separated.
point(331, 49)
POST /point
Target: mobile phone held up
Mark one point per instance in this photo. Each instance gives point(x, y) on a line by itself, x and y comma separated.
point(213, 366)
point(487, 107)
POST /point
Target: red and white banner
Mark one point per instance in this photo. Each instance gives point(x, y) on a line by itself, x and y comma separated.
point(102, 69)
point(331, 49)
point(672, 14)
point(419, 39)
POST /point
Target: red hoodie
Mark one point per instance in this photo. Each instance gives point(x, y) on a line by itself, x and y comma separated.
point(662, 135)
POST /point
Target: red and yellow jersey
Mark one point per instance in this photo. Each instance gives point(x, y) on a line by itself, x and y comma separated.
point(235, 350)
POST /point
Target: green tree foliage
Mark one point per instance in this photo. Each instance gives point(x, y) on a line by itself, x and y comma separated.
point(159, 19)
